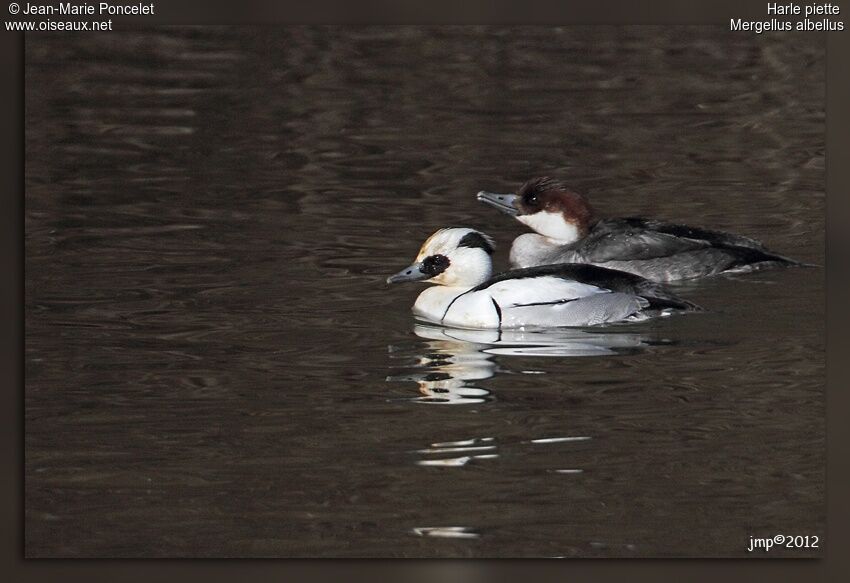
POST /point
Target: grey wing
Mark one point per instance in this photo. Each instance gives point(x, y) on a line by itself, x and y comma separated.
point(708, 236)
point(634, 245)
point(587, 311)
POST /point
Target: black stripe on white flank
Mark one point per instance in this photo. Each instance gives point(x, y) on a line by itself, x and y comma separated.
point(498, 310)
point(555, 303)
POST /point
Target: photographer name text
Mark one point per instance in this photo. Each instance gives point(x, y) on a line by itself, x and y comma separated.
point(100, 9)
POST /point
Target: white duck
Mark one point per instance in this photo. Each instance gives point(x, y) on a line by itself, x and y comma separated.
point(459, 261)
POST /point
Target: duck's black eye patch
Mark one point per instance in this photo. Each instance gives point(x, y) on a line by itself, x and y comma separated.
point(434, 265)
point(474, 240)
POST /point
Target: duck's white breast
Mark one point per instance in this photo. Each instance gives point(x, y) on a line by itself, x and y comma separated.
point(531, 250)
point(474, 310)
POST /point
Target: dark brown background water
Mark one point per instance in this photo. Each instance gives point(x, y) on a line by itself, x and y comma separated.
point(215, 366)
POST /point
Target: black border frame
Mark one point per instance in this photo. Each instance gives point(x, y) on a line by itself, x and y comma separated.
point(832, 567)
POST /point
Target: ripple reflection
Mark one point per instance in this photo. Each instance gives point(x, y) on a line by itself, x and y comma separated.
point(452, 360)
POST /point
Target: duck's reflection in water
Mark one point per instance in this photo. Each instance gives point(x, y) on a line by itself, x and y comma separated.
point(447, 369)
point(454, 359)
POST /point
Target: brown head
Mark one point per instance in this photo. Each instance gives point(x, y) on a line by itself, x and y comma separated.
point(548, 207)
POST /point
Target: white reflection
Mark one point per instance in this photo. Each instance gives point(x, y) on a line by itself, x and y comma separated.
point(446, 531)
point(569, 342)
point(480, 448)
point(453, 359)
point(560, 439)
point(446, 371)
point(452, 462)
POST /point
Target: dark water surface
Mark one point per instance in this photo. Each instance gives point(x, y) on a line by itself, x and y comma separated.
point(215, 366)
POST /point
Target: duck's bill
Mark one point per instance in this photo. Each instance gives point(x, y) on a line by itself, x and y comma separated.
point(503, 202)
point(412, 273)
